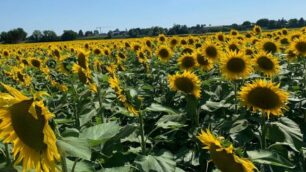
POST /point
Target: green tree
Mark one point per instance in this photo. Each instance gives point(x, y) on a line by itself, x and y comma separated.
point(69, 35)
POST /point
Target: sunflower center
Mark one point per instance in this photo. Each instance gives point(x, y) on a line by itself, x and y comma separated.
point(211, 51)
point(188, 62)
point(236, 65)
point(36, 63)
point(82, 76)
point(201, 60)
point(301, 47)
point(233, 47)
point(82, 60)
point(263, 98)
point(184, 84)
point(163, 53)
point(20, 76)
point(270, 47)
point(187, 50)
point(265, 63)
point(28, 129)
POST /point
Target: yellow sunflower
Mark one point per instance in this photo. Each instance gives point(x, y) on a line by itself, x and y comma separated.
point(266, 63)
point(211, 50)
point(24, 124)
point(299, 46)
point(83, 59)
point(223, 157)
point(269, 45)
point(257, 29)
point(164, 53)
point(187, 82)
point(187, 61)
point(235, 65)
point(264, 96)
point(204, 63)
point(290, 55)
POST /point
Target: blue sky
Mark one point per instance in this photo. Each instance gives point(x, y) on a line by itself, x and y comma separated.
point(59, 15)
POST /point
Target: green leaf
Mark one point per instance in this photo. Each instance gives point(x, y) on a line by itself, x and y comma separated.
point(163, 163)
point(80, 166)
point(160, 108)
point(170, 125)
point(100, 133)
point(269, 158)
point(286, 130)
point(84, 118)
point(75, 147)
point(117, 169)
point(211, 106)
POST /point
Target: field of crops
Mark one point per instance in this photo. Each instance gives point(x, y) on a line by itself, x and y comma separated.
point(230, 102)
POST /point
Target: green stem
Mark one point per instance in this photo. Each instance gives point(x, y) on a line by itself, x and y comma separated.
point(263, 136)
point(235, 90)
point(76, 115)
point(64, 163)
point(142, 134)
point(191, 108)
point(7, 154)
point(100, 103)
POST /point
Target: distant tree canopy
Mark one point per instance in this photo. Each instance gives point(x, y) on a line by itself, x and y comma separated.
point(19, 35)
point(69, 35)
point(13, 36)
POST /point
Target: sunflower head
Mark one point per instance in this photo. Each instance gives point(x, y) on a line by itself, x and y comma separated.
point(204, 63)
point(186, 82)
point(290, 55)
point(266, 63)
point(187, 61)
point(24, 123)
point(264, 96)
point(269, 46)
point(235, 65)
point(35, 62)
point(211, 50)
point(164, 53)
point(223, 157)
point(257, 29)
point(299, 46)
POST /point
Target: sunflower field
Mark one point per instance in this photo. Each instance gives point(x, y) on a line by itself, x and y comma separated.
point(229, 102)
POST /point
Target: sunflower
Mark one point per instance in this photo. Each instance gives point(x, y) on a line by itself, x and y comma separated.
point(97, 51)
point(187, 61)
point(264, 96)
point(257, 29)
point(220, 36)
point(205, 64)
point(235, 65)
point(290, 55)
point(83, 59)
point(187, 82)
point(223, 157)
point(299, 46)
point(35, 62)
point(233, 45)
point(188, 50)
point(164, 53)
point(24, 124)
point(268, 46)
point(83, 74)
point(162, 38)
point(173, 41)
point(234, 32)
point(266, 63)
point(211, 50)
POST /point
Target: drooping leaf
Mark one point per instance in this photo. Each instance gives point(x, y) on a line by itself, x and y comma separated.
point(100, 133)
point(162, 163)
point(269, 158)
point(75, 147)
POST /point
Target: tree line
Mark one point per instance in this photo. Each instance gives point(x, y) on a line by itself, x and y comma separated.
point(19, 35)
